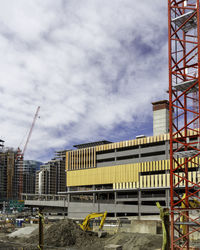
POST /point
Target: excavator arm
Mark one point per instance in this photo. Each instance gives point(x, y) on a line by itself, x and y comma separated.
point(85, 226)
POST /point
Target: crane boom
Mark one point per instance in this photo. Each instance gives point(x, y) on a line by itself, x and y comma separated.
point(31, 129)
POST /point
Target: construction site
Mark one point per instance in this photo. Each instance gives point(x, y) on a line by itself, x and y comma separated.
point(140, 193)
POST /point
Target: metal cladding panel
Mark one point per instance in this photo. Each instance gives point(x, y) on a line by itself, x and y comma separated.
point(132, 142)
point(148, 181)
point(67, 160)
point(164, 180)
point(106, 175)
point(123, 174)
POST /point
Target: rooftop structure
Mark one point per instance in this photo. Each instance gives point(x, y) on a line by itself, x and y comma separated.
point(91, 144)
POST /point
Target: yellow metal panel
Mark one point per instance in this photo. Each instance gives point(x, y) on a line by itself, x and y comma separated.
point(89, 158)
point(156, 163)
point(168, 164)
point(160, 165)
point(197, 160)
point(189, 177)
point(148, 181)
point(105, 175)
point(79, 158)
point(151, 165)
point(152, 181)
point(182, 182)
point(154, 166)
point(67, 161)
point(144, 181)
point(164, 180)
point(156, 180)
point(146, 166)
point(160, 180)
point(142, 167)
point(141, 181)
point(94, 156)
point(194, 177)
point(87, 154)
point(84, 158)
point(72, 160)
point(189, 163)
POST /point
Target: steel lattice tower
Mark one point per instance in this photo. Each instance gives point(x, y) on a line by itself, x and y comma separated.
point(184, 80)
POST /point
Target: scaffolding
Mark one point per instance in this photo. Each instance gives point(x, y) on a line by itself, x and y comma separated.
point(184, 79)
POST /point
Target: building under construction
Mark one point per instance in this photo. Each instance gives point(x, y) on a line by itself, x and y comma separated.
point(9, 173)
point(124, 178)
point(14, 172)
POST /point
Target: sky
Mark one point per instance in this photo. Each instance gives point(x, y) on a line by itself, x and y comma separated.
point(93, 66)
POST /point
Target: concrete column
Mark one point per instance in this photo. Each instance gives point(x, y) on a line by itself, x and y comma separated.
point(115, 201)
point(64, 207)
point(167, 196)
point(68, 198)
point(139, 150)
point(94, 198)
point(139, 203)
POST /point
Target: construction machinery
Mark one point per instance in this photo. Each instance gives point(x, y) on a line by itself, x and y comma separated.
point(184, 117)
point(85, 226)
point(20, 154)
point(193, 204)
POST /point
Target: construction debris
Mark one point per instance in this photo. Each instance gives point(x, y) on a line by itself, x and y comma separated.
point(66, 234)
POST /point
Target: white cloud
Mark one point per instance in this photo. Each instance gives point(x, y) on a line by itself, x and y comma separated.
point(91, 65)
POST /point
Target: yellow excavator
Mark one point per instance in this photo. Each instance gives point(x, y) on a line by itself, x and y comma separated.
point(85, 226)
point(194, 204)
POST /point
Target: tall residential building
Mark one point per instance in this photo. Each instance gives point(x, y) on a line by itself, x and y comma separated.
point(51, 178)
point(30, 168)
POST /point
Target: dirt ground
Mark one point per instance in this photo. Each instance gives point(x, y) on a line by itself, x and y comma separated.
point(136, 241)
point(66, 234)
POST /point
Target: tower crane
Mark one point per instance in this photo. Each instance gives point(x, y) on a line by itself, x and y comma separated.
point(184, 121)
point(20, 153)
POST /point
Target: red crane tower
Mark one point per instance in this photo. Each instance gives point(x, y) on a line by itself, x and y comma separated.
point(20, 154)
point(184, 80)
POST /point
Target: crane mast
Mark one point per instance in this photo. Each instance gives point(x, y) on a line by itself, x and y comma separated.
point(31, 129)
point(20, 154)
point(184, 80)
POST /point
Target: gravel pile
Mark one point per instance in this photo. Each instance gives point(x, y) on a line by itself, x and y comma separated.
point(67, 233)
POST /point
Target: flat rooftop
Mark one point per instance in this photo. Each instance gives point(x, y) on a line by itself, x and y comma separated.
point(91, 144)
